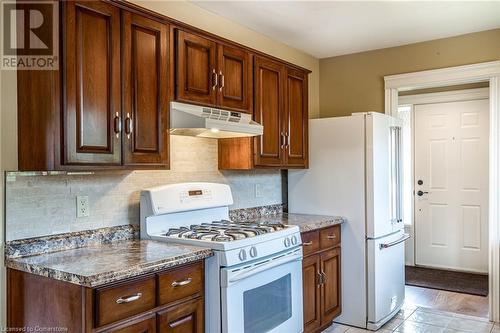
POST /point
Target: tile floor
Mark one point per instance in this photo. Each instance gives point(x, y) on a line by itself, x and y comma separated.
point(413, 319)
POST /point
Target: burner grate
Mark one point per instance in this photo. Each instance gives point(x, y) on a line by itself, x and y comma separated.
point(224, 230)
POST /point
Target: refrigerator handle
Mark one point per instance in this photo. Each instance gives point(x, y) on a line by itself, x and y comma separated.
point(396, 242)
point(396, 179)
point(400, 176)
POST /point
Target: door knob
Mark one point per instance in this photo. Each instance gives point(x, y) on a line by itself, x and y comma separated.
point(421, 193)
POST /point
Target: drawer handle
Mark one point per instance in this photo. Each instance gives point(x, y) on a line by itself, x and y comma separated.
point(181, 283)
point(129, 299)
point(331, 236)
point(307, 243)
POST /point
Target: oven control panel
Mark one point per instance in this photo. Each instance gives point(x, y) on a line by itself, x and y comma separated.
point(252, 251)
point(199, 194)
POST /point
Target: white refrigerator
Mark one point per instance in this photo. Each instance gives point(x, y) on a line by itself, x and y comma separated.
point(355, 171)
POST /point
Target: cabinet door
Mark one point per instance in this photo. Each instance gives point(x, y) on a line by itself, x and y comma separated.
point(144, 326)
point(184, 318)
point(235, 79)
point(296, 118)
point(196, 77)
point(91, 82)
point(311, 268)
point(268, 109)
point(145, 104)
point(330, 290)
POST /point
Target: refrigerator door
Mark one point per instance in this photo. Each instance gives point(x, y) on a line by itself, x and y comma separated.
point(383, 175)
point(386, 278)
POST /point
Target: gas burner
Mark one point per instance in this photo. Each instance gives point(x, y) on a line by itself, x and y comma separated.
point(224, 230)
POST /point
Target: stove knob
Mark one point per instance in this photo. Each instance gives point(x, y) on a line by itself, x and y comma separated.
point(253, 252)
point(294, 240)
point(287, 242)
point(242, 255)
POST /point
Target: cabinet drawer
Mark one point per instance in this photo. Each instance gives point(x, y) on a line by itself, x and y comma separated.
point(310, 242)
point(147, 325)
point(329, 237)
point(180, 282)
point(121, 301)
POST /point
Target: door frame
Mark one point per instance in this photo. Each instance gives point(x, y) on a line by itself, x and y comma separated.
point(449, 76)
point(410, 101)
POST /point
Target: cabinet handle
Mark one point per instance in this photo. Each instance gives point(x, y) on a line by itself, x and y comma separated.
point(320, 279)
point(181, 283)
point(118, 125)
point(307, 243)
point(215, 79)
point(324, 276)
point(287, 140)
point(128, 125)
point(128, 299)
point(221, 80)
point(282, 140)
point(331, 236)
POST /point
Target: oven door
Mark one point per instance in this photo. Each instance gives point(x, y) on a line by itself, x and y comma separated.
point(265, 296)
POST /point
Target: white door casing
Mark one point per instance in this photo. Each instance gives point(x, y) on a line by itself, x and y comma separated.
point(449, 76)
point(451, 159)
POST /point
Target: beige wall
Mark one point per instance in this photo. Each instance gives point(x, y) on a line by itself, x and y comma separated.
point(203, 19)
point(355, 82)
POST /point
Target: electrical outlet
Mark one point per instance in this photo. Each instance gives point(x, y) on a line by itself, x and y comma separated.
point(82, 206)
point(259, 191)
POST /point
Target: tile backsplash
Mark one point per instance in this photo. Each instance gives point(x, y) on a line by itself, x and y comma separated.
point(45, 205)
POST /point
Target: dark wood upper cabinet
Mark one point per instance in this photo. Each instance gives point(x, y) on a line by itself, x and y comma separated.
point(235, 79)
point(107, 106)
point(296, 118)
point(145, 101)
point(212, 74)
point(281, 106)
point(92, 108)
point(269, 80)
point(196, 69)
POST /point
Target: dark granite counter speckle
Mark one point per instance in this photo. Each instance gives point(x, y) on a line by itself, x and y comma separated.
point(104, 263)
point(306, 222)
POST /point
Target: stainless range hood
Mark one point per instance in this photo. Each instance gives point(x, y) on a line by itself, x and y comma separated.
point(201, 121)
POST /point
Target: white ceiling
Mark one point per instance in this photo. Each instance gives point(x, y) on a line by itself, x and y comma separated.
point(331, 28)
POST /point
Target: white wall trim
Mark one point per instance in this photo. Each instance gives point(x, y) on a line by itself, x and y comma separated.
point(494, 199)
point(445, 96)
point(489, 71)
point(443, 77)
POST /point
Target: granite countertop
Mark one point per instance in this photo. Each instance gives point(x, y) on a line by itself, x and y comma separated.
point(104, 263)
point(306, 222)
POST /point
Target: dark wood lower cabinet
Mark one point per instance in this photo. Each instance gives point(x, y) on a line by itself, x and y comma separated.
point(321, 278)
point(330, 290)
point(127, 306)
point(183, 318)
point(147, 325)
point(312, 292)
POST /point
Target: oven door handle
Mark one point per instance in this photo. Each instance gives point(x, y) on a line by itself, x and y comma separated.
point(295, 256)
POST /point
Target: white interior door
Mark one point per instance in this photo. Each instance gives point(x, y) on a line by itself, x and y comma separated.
point(451, 171)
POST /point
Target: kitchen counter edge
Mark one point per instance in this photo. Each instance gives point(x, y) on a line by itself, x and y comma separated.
point(26, 264)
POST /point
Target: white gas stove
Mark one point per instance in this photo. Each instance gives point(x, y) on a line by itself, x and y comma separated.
point(254, 281)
